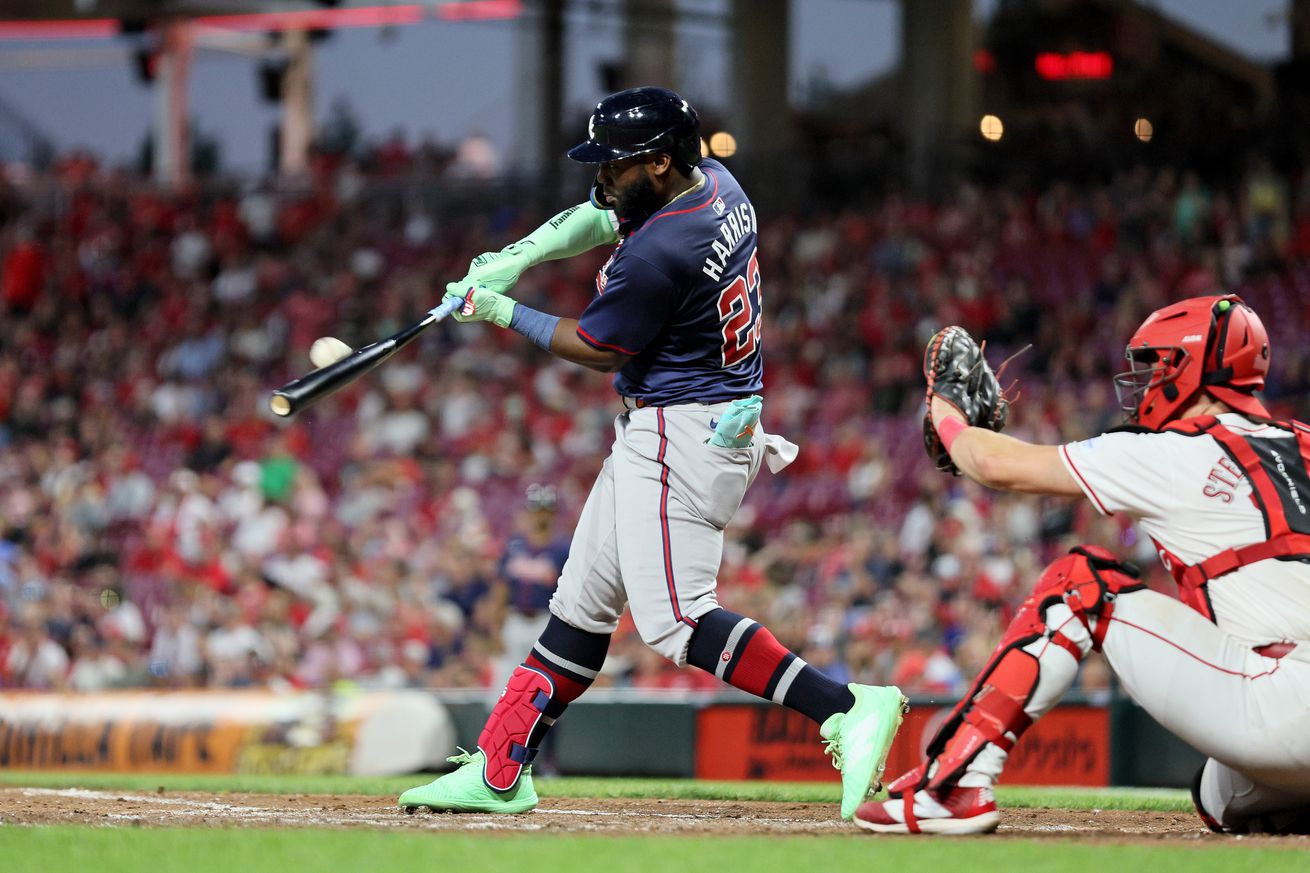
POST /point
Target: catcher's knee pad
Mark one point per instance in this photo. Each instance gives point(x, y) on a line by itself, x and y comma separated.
point(504, 739)
point(1070, 592)
point(1087, 580)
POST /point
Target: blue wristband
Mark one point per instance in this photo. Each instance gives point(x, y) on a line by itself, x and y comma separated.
point(536, 326)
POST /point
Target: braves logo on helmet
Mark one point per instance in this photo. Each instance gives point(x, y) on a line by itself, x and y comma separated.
point(1214, 344)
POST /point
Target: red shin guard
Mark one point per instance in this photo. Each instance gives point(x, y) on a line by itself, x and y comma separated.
point(504, 740)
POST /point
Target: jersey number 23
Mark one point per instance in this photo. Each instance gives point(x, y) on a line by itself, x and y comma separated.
point(739, 312)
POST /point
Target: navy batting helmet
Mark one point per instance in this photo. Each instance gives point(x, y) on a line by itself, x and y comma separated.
point(640, 121)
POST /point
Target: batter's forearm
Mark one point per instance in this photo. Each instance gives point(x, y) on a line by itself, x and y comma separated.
point(571, 232)
point(576, 230)
point(568, 345)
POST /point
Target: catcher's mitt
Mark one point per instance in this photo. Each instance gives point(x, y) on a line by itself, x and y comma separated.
point(958, 373)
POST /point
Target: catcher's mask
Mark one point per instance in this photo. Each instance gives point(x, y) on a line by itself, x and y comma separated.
point(1216, 344)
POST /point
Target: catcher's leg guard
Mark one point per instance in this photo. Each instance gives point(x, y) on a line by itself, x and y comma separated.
point(1061, 621)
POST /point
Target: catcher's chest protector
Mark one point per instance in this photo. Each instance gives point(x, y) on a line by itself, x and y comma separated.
point(1278, 469)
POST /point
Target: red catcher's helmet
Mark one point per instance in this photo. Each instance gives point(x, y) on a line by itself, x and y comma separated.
point(1216, 344)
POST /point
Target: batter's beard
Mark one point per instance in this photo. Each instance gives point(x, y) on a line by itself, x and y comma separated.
point(637, 202)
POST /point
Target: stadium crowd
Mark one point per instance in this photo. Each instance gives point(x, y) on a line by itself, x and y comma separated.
point(159, 527)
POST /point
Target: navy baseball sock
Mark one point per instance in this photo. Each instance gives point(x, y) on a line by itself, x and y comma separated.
point(744, 654)
point(572, 658)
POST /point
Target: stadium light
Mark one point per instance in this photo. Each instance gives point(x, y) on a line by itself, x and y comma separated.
point(723, 144)
point(991, 128)
point(1144, 129)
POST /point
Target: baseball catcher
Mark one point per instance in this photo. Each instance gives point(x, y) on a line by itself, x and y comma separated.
point(1224, 492)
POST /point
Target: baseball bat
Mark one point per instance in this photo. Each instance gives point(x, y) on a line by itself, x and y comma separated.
point(300, 393)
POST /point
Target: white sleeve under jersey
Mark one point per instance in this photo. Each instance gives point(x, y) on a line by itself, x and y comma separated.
point(1192, 500)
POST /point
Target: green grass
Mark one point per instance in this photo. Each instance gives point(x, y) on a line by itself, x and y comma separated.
point(41, 850)
point(1165, 800)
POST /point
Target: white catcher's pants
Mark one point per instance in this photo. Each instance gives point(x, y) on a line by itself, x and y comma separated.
point(1248, 713)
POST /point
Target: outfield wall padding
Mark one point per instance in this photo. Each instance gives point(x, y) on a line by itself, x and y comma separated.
point(732, 736)
point(609, 733)
point(358, 732)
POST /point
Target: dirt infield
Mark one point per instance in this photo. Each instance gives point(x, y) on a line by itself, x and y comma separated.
point(45, 806)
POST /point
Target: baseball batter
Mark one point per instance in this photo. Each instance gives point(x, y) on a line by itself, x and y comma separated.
point(677, 316)
point(1224, 493)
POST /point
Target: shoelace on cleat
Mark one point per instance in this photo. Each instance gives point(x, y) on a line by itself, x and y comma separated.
point(464, 756)
point(833, 747)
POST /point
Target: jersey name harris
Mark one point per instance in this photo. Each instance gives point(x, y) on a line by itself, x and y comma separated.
point(738, 222)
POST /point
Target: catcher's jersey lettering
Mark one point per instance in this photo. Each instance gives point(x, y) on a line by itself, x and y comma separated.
point(681, 295)
point(1223, 479)
point(1163, 480)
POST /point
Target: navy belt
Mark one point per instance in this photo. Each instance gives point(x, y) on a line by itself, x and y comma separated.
point(631, 403)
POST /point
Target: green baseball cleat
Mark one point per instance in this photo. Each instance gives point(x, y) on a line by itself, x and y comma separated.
point(859, 739)
point(464, 791)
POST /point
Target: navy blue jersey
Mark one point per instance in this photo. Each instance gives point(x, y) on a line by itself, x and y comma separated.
point(531, 572)
point(682, 295)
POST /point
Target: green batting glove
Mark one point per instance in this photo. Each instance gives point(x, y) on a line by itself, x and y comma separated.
point(736, 428)
point(499, 271)
point(482, 304)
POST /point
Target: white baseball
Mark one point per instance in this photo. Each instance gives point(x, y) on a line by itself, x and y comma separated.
point(327, 350)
